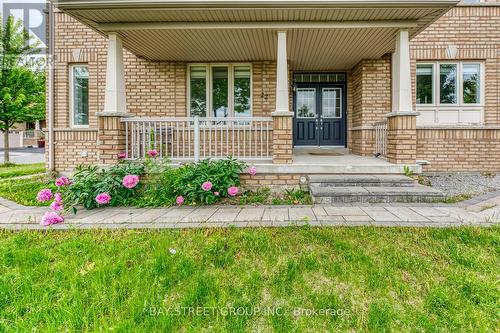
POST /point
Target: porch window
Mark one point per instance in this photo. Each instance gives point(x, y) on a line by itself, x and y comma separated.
point(448, 83)
point(242, 87)
point(220, 90)
point(79, 95)
point(425, 75)
point(450, 92)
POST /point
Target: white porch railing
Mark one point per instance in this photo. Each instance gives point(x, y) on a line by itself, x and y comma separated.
point(381, 138)
point(199, 138)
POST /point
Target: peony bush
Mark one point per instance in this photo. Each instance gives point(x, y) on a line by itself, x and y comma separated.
point(208, 181)
point(204, 182)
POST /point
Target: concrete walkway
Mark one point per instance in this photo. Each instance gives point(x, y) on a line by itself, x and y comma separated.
point(477, 213)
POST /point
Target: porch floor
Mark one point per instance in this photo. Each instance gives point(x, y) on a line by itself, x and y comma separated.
point(333, 156)
point(332, 160)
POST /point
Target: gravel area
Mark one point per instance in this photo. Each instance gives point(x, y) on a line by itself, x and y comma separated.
point(465, 183)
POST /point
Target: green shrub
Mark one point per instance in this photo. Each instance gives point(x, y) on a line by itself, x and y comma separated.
point(89, 181)
point(158, 190)
point(221, 173)
point(293, 197)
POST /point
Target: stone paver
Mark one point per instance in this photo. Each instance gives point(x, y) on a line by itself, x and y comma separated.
point(250, 214)
point(201, 214)
point(429, 211)
point(345, 211)
point(275, 214)
point(174, 215)
point(380, 214)
point(301, 214)
point(225, 214)
point(357, 218)
point(150, 215)
point(406, 214)
point(16, 217)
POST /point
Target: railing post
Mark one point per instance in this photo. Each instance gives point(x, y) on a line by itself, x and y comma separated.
point(196, 138)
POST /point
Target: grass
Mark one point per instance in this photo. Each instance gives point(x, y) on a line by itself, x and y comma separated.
point(456, 198)
point(16, 170)
point(254, 280)
point(264, 196)
point(24, 191)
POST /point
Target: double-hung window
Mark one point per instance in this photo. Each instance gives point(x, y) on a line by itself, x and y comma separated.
point(79, 95)
point(220, 90)
point(450, 92)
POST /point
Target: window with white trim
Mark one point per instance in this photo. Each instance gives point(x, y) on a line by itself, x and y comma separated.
point(450, 92)
point(220, 90)
point(79, 95)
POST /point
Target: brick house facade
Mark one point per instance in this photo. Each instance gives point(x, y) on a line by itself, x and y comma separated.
point(158, 88)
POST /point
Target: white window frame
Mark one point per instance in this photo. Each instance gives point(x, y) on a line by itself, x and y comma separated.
point(72, 93)
point(438, 107)
point(230, 87)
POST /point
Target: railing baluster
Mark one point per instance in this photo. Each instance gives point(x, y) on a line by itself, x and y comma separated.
point(238, 128)
point(161, 140)
point(243, 138)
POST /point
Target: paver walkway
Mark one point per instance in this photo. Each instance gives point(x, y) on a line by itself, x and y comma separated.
point(478, 213)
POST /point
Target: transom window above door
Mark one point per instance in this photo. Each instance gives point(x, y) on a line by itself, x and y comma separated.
point(220, 90)
point(450, 92)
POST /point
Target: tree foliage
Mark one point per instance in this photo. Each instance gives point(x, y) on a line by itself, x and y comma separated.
point(22, 90)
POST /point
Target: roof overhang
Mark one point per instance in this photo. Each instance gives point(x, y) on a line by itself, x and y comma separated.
point(322, 34)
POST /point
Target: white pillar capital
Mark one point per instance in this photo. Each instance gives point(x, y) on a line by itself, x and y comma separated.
point(115, 99)
point(401, 75)
point(282, 98)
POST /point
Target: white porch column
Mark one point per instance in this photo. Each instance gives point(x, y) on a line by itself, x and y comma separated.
point(282, 98)
point(401, 75)
point(115, 100)
point(402, 122)
point(282, 117)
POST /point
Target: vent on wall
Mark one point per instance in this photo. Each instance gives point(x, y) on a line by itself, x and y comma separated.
point(319, 78)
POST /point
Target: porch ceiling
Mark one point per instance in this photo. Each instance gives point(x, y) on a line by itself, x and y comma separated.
point(322, 35)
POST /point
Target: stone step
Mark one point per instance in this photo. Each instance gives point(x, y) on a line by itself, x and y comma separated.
point(362, 180)
point(363, 194)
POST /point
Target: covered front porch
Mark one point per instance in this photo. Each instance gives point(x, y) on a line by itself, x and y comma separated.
point(292, 38)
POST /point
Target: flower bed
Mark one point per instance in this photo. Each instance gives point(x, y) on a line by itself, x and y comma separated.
point(148, 183)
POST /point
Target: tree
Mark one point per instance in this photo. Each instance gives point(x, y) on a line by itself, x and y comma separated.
point(22, 91)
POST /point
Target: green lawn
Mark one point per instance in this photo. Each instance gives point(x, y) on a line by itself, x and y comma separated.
point(24, 191)
point(15, 170)
point(363, 279)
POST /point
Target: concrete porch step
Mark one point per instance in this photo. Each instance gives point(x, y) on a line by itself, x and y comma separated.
point(361, 180)
point(351, 194)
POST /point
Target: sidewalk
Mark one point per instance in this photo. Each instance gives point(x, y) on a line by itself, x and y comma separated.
point(476, 213)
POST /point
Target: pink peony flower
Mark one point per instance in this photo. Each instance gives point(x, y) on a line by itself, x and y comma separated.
point(44, 195)
point(51, 218)
point(58, 197)
point(62, 181)
point(153, 153)
point(232, 191)
point(130, 181)
point(206, 186)
point(179, 200)
point(103, 198)
point(252, 171)
point(121, 155)
point(56, 206)
point(216, 194)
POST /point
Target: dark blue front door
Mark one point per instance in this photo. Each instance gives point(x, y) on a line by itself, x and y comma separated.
point(319, 115)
